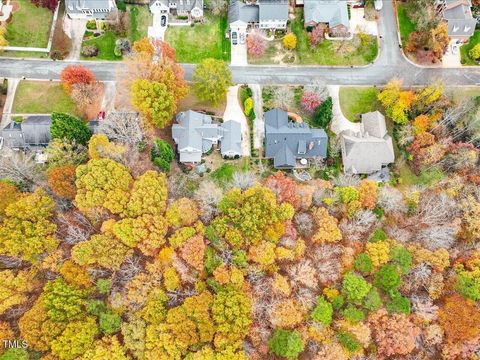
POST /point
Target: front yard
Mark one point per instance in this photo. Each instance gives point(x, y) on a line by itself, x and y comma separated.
point(41, 97)
point(328, 52)
point(29, 25)
point(140, 19)
point(465, 50)
point(106, 47)
point(200, 41)
point(355, 101)
point(406, 26)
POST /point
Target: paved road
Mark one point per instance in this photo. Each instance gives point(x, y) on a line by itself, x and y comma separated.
point(389, 64)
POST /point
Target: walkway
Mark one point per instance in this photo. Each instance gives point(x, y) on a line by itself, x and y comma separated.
point(8, 106)
point(75, 29)
point(233, 111)
point(259, 123)
point(339, 121)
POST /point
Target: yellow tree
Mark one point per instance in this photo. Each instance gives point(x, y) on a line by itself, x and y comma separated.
point(27, 231)
point(148, 195)
point(8, 194)
point(290, 41)
point(182, 212)
point(327, 228)
point(14, 288)
point(3, 41)
point(396, 102)
point(211, 80)
point(100, 147)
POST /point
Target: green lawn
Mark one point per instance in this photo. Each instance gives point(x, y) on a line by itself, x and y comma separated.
point(201, 41)
point(41, 97)
point(407, 177)
point(329, 52)
point(140, 19)
point(106, 47)
point(465, 49)
point(357, 100)
point(405, 24)
point(458, 94)
point(25, 54)
point(30, 26)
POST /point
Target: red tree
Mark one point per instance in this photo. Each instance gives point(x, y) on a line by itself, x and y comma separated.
point(256, 44)
point(49, 4)
point(317, 35)
point(285, 188)
point(310, 101)
point(76, 74)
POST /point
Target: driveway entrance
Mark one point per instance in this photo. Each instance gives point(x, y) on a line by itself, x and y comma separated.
point(238, 39)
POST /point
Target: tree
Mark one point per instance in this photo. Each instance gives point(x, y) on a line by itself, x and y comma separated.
point(3, 41)
point(27, 231)
point(20, 168)
point(64, 152)
point(323, 312)
point(63, 302)
point(14, 288)
point(317, 35)
point(182, 212)
point(289, 41)
point(154, 101)
point(161, 154)
point(103, 183)
point(68, 127)
point(387, 278)
point(100, 147)
point(323, 113)
point(285, 188)
point(75, 74)
point(148, 195)
point(396, 102)
point(327, 228)
point(76, 339)
point(107, 347)
point(123, 127)
point(256, 44)
point(8, 194)
point(355, 287)
point(475, 52)
point(49, 4)
point(459, 317)
point(310, 101)
point(217, 7)
point(61, 180)
point(211, 80)
point(286, 343)
point(87, 98)
point(193, 252)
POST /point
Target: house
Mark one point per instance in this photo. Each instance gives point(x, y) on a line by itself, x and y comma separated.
point(368, 150)
point(264, 14)
point(291, 144)
point(89, 9)
point(333, 13)
point(32, 133)
point(190, 8)
point(195, 134)
point(458, 14)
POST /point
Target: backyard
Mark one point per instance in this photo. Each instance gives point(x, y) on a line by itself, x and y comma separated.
point(328, 52)
point(355, 101)
point(405, 24)
point(465, 50)
point(211, 36)
point(140, 20)
point(29, 25)
point(41, 97)
point(106, 47)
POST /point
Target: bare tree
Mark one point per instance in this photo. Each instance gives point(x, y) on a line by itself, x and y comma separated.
point(346, 180)
point(123, 127)
point(282, 97)
point(391, 199)
point(304, 224)
point(74, 227)
point(437, 237)
point(242, 180)
point(436, 209)
point(21, 168)
point(85, 96)
point(217, 6)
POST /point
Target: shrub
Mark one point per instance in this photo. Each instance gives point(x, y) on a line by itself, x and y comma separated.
point(363, 263)
point(323, 312)
point(290, 41)
point(398, 303)
point(402, 258)
point(378, 235)
point(324, 113)
point(348, 341)
point(286, 343)
point(355, 287)
point(121, 6)
point(92, 24)
point(248, 106)
point(110, 323)
point(161, 154)
point(387, 278)
point(122, 47)
point(475, 52)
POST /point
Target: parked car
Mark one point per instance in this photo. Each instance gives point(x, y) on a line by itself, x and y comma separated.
point(234, 38)
point(101, 115)
point(378, 5)
point(242, 38)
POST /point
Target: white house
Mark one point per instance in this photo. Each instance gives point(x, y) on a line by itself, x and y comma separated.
point(89, 9)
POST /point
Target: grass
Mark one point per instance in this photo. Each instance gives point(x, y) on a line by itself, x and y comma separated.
point(405, 24)
point(201, 41)
point(357, 100)
point(329, 52)
point(465, 49)
point(224, 173)
point(140, 20)
point(30, 26)
point(106, 47)
point(457, 94)
point(429, 177)
point(25, 54)
point(41, 97)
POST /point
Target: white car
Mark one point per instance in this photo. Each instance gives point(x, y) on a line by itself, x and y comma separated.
point(378, 4)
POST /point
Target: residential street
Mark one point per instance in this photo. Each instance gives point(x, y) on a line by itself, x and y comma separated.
point(390, 63)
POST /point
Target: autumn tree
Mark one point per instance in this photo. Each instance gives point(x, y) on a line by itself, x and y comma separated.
point(148, 195)
point(3, 41)
point(368, 193)
point(256, 44)
point(182, 212)
point(286, 343)
point(64, 152)
point(14, 288)
point(459, 317)
point(27, 230)
point(327, 229)
point(100, 147)
point(76, 339)
point(75, 74)
point(397, 102)
point(154, 101)
point(211, 80)
point(62, 181)
point(68, 127)
point(87, 97)
point(285, 188)
point(8, 194)
point(63, 302)
point(289, 41)
point(102, 183)
point(107, 347)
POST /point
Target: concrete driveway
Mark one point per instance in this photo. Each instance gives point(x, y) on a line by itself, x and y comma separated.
point(74, 29)
point(233, 111)
point(359, 24)
point(339, 121)
point(259, 123)
point(452, 57)
point(239, 51)
point(157, 30)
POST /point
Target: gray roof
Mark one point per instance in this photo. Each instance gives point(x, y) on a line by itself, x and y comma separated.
point(181, 5)
point(459, 16)
point(287, 141)
point(332, 12)
point(239, 11)
point(368, 150)
point(273, 10)
point(232, 138)
point(195, 133)
point(76, 6)
point(33, 131)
